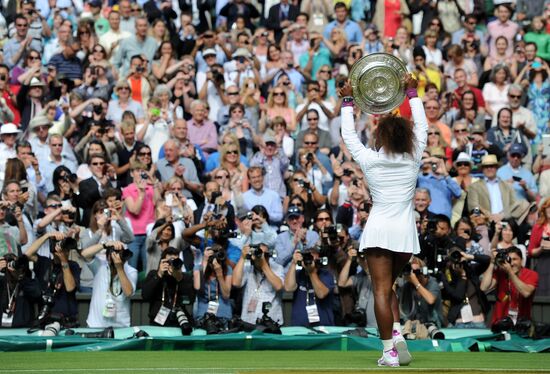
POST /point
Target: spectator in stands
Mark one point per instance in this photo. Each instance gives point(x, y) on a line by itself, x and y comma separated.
point(137, 44)
point(324, 141)
point(503, 135)
point(67, 62)
point(8, 135)
point(502, 26)
point(181, 167)
point(275, 163)
point(517, 175)
point(15, 49)
point(200, 130)
point(114, 284)
point(161, 239)
point(351, 28)
point(515, 285)
point(298, 237)
point(432, 108)
point(262, 279)
point(314, 101)
point(490, 193)
point(260, 195)
point(123, 103)
point(112, 39)
point(475, 144)
point(55, 159)
point(442, 187)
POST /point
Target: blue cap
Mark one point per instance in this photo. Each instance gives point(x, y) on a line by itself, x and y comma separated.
point(518, 148)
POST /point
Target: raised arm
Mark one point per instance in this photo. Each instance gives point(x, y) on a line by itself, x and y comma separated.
point(349, 134)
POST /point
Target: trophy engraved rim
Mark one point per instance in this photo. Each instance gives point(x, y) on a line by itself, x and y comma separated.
point(377, 82)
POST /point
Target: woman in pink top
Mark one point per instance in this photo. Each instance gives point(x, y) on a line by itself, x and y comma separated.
point(140, 197)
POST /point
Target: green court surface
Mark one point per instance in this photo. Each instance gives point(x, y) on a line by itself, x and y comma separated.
point(300, 362)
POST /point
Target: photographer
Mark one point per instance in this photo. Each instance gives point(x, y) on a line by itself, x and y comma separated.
point(312, 286)
point(114, 283)
point(363, 314)
point(436, 241)
point(419, 296)
point(163, 237)
point(13, 236)
point(168, 289)
point(18, 291)
point(59, 279)
point(469, 305)
point(262, 279)
point(212, 281)
point(515, 285)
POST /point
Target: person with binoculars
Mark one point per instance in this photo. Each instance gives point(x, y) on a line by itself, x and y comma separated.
point(515, 285)
point(262, 280)
point(114, 284)
point(169, 289)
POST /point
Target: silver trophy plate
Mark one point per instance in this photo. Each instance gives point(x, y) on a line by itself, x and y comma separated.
point(377, 81)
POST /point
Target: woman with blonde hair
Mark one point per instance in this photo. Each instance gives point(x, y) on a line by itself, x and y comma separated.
point(277, 106)
point(230, 160)
point(229, 187)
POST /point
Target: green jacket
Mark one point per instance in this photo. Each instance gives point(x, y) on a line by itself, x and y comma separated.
point(542, 40)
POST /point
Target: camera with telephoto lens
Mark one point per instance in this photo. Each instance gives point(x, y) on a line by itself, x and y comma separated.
point(48, 295)
point(308, 260)
point(434, 333)
point(176, 263)
point(220, 257)
point(454, 256)
point(211, 324)
point(125, 254)
point(266, 323)
point(184, 322)
point(255, 251)
point(501, 257)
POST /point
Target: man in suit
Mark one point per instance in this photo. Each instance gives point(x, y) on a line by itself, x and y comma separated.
point(490, 193)
point(214, 201)
point(280, 17)
point(91, 190)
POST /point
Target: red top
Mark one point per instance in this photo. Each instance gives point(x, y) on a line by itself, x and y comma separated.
point(536, 237)
point(509, 297)
point(477, 93)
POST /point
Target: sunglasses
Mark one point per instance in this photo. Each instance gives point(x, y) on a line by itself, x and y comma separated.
point(310, 143)
point(461, 130)
point(232, 152)
point(55, 206)
point(321, 219)
point(278, 94)
point(144, 154)
point(98, 163)
point(461, 164)
point(298, 205)
point(324, 71)
point(516, 155)
point(433, 133)
point(221, 176)
point(297, 180)
point(56, 145)
point(232, 93)
point(514, 96)
point(124, 88)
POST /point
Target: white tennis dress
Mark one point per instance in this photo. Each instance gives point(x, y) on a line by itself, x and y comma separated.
point(392, 182)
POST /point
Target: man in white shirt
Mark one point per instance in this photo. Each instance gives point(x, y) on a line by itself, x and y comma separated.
point(112, 38)
point(55, 159)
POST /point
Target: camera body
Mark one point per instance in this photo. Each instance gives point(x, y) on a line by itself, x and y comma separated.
point(176, 263)
point(125, 254)
point(219, 256)
point(256, 251)
point(502, 257)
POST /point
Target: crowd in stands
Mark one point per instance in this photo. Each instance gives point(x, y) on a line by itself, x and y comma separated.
point(190, 151)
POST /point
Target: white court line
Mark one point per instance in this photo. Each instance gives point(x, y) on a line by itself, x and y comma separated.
point(275, 369)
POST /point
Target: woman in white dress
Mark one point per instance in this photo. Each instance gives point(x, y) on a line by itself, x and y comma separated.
point(389, 237)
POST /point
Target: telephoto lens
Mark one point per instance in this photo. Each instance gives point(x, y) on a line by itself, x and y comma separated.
point(183, 322)
point(50, 330)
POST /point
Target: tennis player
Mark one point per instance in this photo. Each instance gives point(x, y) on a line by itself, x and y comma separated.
point(389, 237)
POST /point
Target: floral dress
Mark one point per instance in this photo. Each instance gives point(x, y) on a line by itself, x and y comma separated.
point(540, 106)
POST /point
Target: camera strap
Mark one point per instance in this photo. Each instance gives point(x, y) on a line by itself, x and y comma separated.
point(173, 299)
point(213, 305)
point(164, 311)
point(253, 303)
point(11, 298)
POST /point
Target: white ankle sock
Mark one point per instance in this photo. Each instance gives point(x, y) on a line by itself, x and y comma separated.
point(397, 327)
point(388, 344)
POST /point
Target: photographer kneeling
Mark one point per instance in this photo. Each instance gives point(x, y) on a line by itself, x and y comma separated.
point(58, 277)
point(313, 288)
point(168, 290)
point(461, 283)
point(114, 283)
point(420, 302)
point(262, 280)
point(515, 285)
